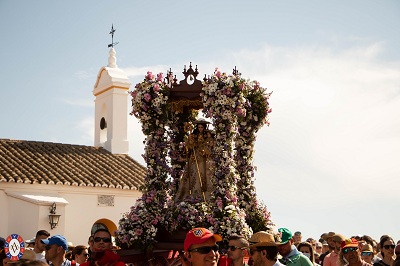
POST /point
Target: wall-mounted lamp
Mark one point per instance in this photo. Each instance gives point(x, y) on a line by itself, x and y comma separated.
point(53, 217)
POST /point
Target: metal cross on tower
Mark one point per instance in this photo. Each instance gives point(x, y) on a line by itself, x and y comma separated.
point(112, 37)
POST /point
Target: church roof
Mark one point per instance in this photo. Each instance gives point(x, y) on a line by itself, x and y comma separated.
point(35, 162)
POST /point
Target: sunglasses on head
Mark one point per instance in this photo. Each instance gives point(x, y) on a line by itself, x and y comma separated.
point(205, 249)
point(347, 250)
point(366, 253)
point(233, 248)
point(105, 239)
point(389, 246)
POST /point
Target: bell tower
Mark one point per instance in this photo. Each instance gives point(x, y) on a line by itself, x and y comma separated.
point(111, 107)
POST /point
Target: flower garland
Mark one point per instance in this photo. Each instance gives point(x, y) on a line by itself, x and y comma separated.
point(223, 101)
point(256, 115)
point(138, 228)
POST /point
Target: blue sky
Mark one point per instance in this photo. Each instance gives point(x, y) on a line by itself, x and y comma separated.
point(330, 159)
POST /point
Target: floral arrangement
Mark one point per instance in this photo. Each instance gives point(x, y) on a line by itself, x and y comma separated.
point(238, 108)
point(188, 214)
point(224, 102)
point(149, 104)
point(255, 116)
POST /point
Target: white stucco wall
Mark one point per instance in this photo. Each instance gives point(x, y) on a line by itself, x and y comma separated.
point(26, 217)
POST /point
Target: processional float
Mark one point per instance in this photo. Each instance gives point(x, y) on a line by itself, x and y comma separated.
point(200, 172)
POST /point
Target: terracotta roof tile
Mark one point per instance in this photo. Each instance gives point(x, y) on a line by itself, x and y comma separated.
point(65, 164)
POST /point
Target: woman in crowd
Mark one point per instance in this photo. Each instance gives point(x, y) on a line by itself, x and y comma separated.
point(387, 251)
point(307, 250)
point(80, 254)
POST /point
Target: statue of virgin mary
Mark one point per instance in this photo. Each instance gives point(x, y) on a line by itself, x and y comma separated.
point(196, 181)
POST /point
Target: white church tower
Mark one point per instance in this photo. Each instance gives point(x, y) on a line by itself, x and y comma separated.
point(111, 108)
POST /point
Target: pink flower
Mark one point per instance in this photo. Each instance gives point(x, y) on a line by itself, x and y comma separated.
point(218, 73)
point(147, 97)
point(156, 87)
point(160, 77)
point(149, 75)
point(138, 232)
point(240, 112)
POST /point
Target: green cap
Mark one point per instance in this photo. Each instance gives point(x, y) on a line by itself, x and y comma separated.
point(286, 235)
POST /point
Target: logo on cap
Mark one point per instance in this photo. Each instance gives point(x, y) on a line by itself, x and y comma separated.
point(198, 232)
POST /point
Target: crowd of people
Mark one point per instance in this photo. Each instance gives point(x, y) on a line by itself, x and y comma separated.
point(202, 247)
point(54, 250)
point(285, 248)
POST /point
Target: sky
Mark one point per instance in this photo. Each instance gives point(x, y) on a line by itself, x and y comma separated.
point(329, 161)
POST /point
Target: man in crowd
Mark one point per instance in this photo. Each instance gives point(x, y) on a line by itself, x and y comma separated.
point(332, 258)
point(291, 256)
point(237, 249)
point(367, 253)
point(318, 247)
point(350, 254)
point(297, 237)
point(201, 247)
point(39, 247)
point(56, 247)
point(331, 245)
point(263, 250)
point(102, 253)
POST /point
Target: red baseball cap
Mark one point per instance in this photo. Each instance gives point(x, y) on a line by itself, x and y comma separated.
point(349, 243)
point(198, 236)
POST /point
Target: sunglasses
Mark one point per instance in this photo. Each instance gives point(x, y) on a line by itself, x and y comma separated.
point(366, 253)
point(48, 247)
point(105, 239)
point(205, 249)
point(233, 248)
point(85, 254)
point(347, 250)
point(389, 246)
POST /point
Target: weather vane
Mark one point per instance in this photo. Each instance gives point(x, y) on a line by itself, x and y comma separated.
point(112, 37)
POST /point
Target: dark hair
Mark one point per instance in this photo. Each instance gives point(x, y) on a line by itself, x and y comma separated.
point(78, 250)
point(384, 238)
point(368, 239)
point(241, 239)
point(307, 244)
point(42, 233)
point(196, 130)
point(272, 252)
point(101, 230)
